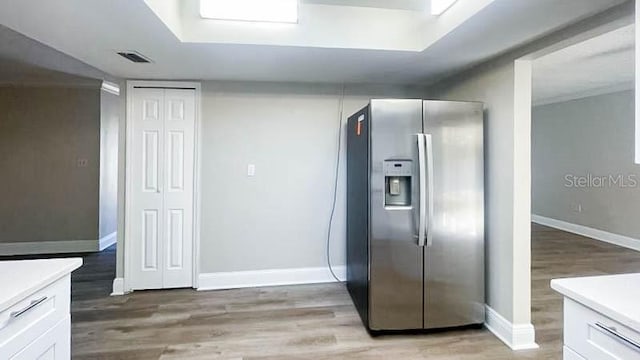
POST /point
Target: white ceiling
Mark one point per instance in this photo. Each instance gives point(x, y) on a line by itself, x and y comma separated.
point(24, 60)
point(92, 30)
point(599, 65)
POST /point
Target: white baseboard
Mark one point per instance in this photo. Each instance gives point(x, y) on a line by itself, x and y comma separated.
point(108, 240)
point(261, 278)
point(118, 287)
point(620, 240)
point(48, 247)
point(517, 337)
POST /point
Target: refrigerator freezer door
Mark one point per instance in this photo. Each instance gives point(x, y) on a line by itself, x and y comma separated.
point(454, 255)
point(396, 260)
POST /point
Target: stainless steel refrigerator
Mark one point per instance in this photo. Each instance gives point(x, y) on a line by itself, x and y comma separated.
point(415, 214)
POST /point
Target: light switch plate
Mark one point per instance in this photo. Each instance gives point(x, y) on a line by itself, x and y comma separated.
point(251, 170)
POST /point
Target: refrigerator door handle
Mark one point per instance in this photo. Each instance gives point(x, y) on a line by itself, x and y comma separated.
point(430, 191)
point(422, 212)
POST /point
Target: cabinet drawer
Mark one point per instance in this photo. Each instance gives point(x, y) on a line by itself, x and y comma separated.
point(594, 336)
point(54, 344)
point(27, 320)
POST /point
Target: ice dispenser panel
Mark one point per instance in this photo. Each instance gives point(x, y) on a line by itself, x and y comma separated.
point(397, 178)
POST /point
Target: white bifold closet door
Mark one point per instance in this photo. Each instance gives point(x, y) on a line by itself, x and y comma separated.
point(162, 174)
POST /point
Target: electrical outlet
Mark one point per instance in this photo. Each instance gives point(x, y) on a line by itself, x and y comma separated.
point(81, 163)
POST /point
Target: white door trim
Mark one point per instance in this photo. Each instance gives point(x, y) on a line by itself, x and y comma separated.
point(197, 163)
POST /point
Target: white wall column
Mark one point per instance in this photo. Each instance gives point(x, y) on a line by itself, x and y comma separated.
point(637, 82)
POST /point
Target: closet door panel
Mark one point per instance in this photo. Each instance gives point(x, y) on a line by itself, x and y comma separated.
point(179, 176)
point(147, 215)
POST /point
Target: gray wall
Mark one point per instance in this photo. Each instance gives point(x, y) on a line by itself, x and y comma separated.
point(45, 195)
point(277, 219)
point(594, 136)
point(110, 115)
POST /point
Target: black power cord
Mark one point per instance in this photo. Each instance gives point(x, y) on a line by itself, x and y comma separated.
point(335, 185)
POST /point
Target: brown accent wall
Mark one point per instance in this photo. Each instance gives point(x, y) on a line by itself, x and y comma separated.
point(45, 194)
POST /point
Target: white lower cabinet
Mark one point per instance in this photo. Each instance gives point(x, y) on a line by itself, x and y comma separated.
point(589, 335)
point(38, 326)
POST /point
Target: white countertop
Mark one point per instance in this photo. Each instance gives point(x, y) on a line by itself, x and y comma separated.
point(615, 296)
point(19, 279)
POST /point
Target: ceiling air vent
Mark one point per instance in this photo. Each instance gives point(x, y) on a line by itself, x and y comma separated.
point(134, 56)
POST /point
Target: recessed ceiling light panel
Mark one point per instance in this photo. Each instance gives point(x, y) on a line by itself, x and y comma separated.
point(438, 7)
point(283, 11)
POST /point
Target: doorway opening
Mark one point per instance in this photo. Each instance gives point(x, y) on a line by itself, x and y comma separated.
point(584, 180)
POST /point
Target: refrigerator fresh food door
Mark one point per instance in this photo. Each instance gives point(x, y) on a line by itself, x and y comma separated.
point(454, 251)
point(396, 260)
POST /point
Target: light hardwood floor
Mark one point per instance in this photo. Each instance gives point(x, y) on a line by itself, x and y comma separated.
point(307, 322)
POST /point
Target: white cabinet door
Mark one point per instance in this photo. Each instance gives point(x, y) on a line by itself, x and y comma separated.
point(161, 188)
point(568, 354)
point(55, 344)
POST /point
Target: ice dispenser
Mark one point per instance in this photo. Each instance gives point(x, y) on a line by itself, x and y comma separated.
point(397, 178)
